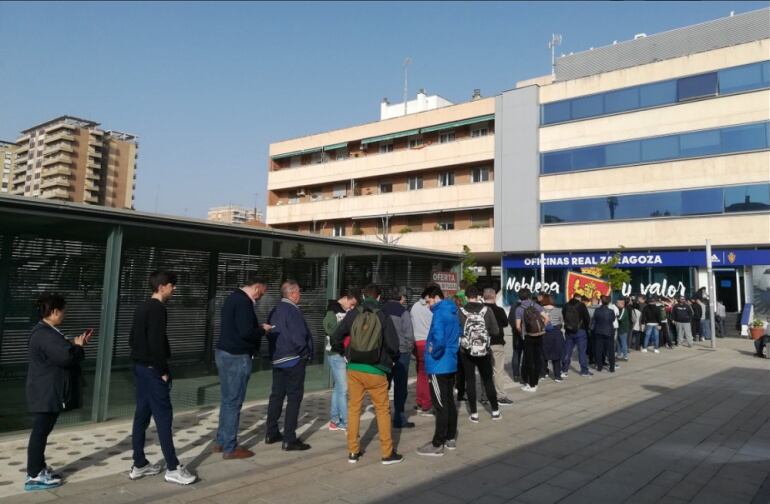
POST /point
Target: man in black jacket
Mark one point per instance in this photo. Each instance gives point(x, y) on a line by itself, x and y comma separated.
point(239, 340)
point(604, 332)
point(577, 321)
point(150, 352)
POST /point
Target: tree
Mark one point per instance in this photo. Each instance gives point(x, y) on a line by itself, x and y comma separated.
point(469, 261)
point(615, 276)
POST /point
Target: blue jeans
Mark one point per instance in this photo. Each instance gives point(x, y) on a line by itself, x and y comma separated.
point(153, 399)
point(339, 411)
point(400, 380)
point(705, 328)
point(623, 344)
point(234, 374)
point(651, 331)
point(580, 339)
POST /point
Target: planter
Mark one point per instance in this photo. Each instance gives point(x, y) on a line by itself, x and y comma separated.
point(756, 332)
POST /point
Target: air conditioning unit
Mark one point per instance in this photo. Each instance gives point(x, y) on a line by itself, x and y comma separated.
point(300, 192)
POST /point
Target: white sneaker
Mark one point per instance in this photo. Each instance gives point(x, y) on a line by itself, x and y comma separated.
point(180, 476)
point(526, 388)
point(496, 415)
point(644, 350)
point(141, 472)
point(474, 417)
point(563, 376)
point(656, 351)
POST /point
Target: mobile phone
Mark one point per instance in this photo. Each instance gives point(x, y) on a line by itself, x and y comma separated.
point(89, 333)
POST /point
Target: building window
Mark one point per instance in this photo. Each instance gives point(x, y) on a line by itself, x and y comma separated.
point(446, 137)
point(318, 158)
point(445, 224)
point(386, 147)
point(446, 178)
point(415, 142)
point(479, 132)
point(338, 230)
point(295, 162)
point(414, 222)
point(480, 220)
point(480, 174)
point(386, 187)
point(339, 191)
point(414, 183)
point(340, 154)
point(293, 197)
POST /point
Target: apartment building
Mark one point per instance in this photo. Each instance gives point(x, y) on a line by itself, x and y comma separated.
point(7, 153)
point(652, 146)
point(233, 214)
point(421, 176)
point(72, 159)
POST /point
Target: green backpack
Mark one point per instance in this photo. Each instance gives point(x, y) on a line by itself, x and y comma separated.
point(365, 338)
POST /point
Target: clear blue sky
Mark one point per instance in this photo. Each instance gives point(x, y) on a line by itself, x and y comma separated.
point(208, 86)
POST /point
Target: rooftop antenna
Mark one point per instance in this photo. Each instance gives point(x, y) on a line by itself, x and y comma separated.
point(555, 41)
point(407, 62)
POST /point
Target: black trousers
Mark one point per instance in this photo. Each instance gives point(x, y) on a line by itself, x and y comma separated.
point(533, 358)
point(444, 407)
point(590, 347)
point(484, 365)
point(459, 382)
point(516, 362)
point(604, 346)
point(556, 365)
point(42, 425)
point(289, 384)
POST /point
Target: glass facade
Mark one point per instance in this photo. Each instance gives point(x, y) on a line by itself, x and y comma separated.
point(709, 201)
point(720, 83)
point(713, 142)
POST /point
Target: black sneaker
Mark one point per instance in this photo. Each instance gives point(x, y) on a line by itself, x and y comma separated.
point(295, 446)
point(274, 439)
point(504, 401)
point(394, 458)
point(353, 457)
point(405, 425)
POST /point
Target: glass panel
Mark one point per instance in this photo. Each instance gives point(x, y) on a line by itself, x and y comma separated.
point(750, 198)
point(744, 138)
point(621, 100)
point(766, 73)
point(702, 201)
point(639, 206)
point(587, 106)
point(697, 86)
point(623, 153)
point(734, 80)
point(657, 94)
point(554, 162)
point(654, 149)
point(556, 112)
point(588, 157)
point(701, 143)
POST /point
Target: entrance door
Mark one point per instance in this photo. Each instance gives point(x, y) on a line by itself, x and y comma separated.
point(727, 289)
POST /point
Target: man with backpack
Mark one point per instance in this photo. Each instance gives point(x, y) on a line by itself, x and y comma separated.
point(479, 326)
point(682, 314)
point(371, 354)
point(576, 324)
point(530, 322)
point(603, 326)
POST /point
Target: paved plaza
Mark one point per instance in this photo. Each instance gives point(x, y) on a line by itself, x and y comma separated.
point(686, 425)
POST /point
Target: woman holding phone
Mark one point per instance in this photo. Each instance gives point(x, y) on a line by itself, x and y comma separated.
point(52, 378)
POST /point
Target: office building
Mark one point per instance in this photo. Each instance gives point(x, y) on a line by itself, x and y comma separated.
point(72, 159)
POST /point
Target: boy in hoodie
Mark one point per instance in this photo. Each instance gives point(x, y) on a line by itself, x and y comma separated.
point(421, 318)
point(479, 326)
point(403, 324)
point(441, 365)
point(335, 312)
point(367, 372)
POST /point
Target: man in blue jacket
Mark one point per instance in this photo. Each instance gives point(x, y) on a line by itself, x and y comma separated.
point(239, 340)
point(441, 349)
point(291, 347)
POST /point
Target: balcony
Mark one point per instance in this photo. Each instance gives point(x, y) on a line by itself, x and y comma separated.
point(479, 240)
point(55, 182)
point(59, 126)
point(56, 194)
point(56, 170)
point(94, 164)
point(91, 175)
point(59, 147)
point(423, 200)
point(60, 159)
point(472, 150)
point(91, 198)
point(63, 136)
point(24, 147)
point(94, 153)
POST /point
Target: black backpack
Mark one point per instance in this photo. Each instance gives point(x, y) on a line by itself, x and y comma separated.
point(571, 318)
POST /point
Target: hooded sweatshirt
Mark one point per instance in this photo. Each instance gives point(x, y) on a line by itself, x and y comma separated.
point(403, 323)
point(443, 339)
point(421, 318)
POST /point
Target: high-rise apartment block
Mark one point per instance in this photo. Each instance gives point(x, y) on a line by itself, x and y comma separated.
point(7, 153)
point(72, 159)
point(233, 214)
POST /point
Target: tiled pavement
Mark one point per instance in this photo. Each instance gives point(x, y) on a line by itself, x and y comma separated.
point(686, 425)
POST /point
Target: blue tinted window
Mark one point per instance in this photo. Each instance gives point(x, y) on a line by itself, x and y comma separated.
point(587, 106)
point(744, 138)
point(556, 112)
point(701, 143)
point(587, 158)
point(656, 149)
point(621, 100)
point(697, 86)
point(743, 78)
point(766, 73)
point(554, 162)
point(623, 153)
point(660, 93)
point(751, 198)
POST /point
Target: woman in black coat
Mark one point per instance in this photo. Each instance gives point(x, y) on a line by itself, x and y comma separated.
point(52, 379)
